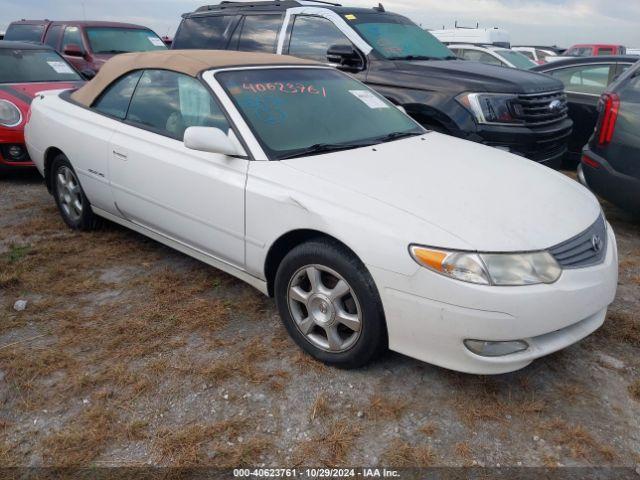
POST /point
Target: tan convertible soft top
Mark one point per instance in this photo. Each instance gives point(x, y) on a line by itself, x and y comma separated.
point(190, 62)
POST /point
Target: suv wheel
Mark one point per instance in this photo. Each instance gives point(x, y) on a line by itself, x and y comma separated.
point(330, 305)
point(72, 203)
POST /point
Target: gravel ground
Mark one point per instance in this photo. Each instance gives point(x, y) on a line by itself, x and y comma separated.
point(130, 354)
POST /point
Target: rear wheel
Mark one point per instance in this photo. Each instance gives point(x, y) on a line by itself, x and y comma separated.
point(330, 305)
point(72, 203)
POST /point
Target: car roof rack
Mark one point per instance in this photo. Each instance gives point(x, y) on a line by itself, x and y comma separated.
point(226, 4)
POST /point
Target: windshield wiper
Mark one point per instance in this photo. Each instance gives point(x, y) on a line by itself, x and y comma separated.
point(114, 51)
point(397, 136)
point(319, 148)
point(415, 57)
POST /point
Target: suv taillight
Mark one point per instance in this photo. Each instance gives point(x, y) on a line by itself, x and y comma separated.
point(610, 103)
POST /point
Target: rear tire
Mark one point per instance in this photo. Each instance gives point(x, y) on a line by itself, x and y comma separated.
point(330, 305)
point(72, 203)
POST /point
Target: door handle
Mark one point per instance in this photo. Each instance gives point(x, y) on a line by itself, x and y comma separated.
point(120, 155)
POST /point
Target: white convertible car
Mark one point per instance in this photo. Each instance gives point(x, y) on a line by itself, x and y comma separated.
point(369, 231)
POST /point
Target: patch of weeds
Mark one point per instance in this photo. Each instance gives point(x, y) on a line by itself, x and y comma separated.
point(17, 252)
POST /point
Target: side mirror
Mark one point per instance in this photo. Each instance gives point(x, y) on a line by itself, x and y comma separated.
point(211, 140)
point(73, 50)
point(88, 74)
point(346, 56)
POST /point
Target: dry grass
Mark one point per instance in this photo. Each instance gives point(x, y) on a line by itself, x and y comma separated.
point(463, 451)
point(571, 391)
point(329, 448)
point(634, 390)
point(623, 327)
point(579, 442)
point(307, 363)
point(320, 407)
point(196, 444)
point(429, 429)
point(386, 407)
point(401, 454)
point(82, 441)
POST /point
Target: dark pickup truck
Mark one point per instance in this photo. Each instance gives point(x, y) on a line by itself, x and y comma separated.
point(518, 111)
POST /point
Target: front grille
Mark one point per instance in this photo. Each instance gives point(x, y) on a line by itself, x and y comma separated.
point(584, 250)
point(539, 109)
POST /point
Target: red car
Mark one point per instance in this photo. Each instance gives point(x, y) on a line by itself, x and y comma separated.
point(87, 45)
point(594, 50)
point(25, 70)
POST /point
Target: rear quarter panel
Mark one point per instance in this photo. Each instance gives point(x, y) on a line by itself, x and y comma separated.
point(82, 135)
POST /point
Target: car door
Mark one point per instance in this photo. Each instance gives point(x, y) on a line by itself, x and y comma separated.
point(584, 84)
point(195, 198)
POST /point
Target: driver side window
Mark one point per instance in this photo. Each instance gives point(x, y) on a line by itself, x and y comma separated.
point(312, 36)
point(167, 103)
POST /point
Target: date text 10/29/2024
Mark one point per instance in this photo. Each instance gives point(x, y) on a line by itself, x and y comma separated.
point(315, 473)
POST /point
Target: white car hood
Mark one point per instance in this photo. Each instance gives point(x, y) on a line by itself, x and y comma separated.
point(493, 200)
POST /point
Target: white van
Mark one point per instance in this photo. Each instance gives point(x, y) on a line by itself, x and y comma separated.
point(478, 36)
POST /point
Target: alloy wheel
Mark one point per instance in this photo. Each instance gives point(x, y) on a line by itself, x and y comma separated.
point(324, 308)
point(69, 194)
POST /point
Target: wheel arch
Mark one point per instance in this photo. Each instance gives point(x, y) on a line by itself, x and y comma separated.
point(285, 243)
point(49, 155)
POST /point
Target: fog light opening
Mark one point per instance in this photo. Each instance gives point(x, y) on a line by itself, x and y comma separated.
point(15, 151)
point(486, 348)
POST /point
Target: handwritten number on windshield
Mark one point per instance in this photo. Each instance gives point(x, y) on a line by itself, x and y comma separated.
point(291, 88)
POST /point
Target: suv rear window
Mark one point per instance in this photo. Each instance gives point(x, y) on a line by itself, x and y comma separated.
point(209, 32)
point(24, 32)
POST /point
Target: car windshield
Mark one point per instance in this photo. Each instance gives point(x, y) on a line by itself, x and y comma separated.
point(25, 66)
point(517, 59)
point(306, 111)
point(122, 40)
point(398, 38)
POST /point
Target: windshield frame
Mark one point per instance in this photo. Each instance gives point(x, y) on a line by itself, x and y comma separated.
point(241, 123)
point(148, 31)
point(59, 57)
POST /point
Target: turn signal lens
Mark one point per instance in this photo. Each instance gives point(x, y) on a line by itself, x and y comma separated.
point(463, 266)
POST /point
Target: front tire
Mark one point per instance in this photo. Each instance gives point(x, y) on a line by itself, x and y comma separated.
point(330, 305)
point(72, 203)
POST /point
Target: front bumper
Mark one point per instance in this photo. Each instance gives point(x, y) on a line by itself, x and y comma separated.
point(546, 145)
point(429, 316)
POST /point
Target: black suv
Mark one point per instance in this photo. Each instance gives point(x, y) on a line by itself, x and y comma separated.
point(514, 110)
point(611, 161)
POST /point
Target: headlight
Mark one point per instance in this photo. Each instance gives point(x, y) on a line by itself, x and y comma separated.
point(10, 115)
point(502, 269)
point(492, 107)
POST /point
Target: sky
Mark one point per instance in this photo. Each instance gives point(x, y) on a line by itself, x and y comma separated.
point(548, 22)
